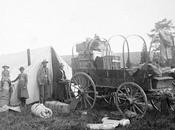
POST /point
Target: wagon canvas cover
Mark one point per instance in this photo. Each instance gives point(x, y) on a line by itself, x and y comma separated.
point(37, 56)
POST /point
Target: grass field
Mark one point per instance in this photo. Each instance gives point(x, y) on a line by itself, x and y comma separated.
point(75, 121)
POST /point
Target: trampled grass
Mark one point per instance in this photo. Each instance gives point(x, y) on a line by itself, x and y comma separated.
point(76, 121)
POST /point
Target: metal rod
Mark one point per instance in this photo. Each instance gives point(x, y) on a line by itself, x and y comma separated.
point(28, 57)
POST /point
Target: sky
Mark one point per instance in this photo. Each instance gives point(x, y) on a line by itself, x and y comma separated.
point(63, 23)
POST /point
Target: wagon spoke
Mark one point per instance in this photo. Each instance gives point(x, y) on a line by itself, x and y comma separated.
point(88, 84)
point(134, 110)
point(126, 90)
point(138, 97)
point(79, 81)
point(138, 108)
point(122, 98)
point(121, 92)
point(140, 103)
point(85, 102)
point(89, 91)
point(88, 102)
point(81, 101)
point(135, 92)
point(83, 82)
point(90, 97)
point(111, 100)
point(76, 82)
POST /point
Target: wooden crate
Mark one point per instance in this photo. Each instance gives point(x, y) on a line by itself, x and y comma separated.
point(57, 106)
point(83, 61)
point(162, 82)
point(80, 48)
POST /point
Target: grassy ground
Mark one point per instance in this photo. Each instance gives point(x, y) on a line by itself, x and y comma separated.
point(154, 121)
point(27, 121)
point(75, 121)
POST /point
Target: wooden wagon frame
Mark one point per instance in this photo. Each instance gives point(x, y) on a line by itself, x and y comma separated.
point(117, 85)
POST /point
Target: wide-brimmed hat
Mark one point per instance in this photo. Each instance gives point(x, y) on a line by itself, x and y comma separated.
point(21, 68)
point(44, 61)
point(5, 66)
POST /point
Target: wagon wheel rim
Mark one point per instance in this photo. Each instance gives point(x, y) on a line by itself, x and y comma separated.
point(171, 105)
point(83, 89)
point(156, 103)
point(131, 98)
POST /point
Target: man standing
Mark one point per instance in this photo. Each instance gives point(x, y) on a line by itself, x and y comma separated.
point(43, 82)
point(60, 84)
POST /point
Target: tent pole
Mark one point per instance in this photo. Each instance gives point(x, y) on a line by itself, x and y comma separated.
point(28, 57)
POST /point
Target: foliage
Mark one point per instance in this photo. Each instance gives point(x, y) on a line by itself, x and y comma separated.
point(159, 26)
point(163, 25)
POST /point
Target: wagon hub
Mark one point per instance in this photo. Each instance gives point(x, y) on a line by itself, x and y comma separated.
point(131, 100)
point(82, 90)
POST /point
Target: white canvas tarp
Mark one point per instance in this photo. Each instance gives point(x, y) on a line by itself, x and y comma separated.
point(20, 59)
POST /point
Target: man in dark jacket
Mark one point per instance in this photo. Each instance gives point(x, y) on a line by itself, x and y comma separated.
point(60, 92)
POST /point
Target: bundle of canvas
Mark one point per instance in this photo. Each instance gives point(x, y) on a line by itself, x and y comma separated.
point(12, 108)
point(41, 111)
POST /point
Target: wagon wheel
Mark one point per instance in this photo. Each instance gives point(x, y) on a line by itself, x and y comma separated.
point(83, 89)
point(131, 100)
point(156, 103)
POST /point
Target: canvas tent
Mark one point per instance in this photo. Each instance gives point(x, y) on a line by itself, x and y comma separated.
point(36, 56)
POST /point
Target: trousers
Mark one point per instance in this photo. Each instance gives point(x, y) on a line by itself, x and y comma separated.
point(43, 92)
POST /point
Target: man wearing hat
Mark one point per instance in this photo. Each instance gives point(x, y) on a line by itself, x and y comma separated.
point(59, 89)
point(43, 79)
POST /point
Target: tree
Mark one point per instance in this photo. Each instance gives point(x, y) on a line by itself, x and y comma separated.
point(160, 26)
point(144, 54)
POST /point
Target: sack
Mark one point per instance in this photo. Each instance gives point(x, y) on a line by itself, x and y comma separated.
point(41, 111)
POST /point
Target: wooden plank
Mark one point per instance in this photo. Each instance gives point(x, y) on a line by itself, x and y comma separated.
point(105, 86)
point(163, 78)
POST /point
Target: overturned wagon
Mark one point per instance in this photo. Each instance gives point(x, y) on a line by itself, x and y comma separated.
point(99, 74)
